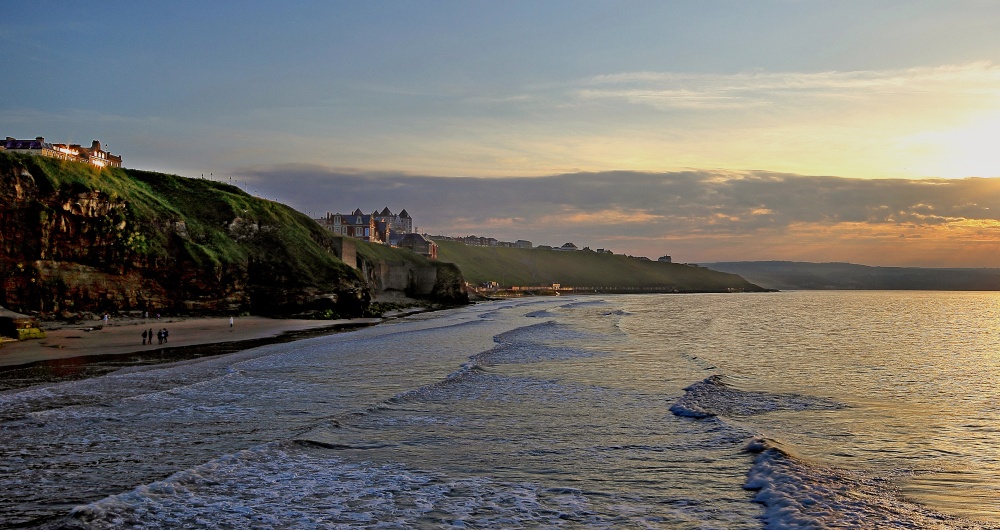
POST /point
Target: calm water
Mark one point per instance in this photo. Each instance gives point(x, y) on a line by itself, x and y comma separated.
point(798, 409)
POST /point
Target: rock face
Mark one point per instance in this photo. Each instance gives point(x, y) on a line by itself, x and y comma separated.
point(76, 240)
point(395, 281)
point(63, 253)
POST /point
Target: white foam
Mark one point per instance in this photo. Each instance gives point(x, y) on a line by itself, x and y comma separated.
point(797, 494)
point(281, 485)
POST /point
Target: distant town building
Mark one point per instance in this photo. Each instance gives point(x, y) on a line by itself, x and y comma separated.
point(93, 155)
point(665, 259)
point(567, 247)
point(478, 241)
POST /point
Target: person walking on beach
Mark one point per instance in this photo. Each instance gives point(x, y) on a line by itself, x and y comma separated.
point(159, 336)
point(144, 337)
point(165, 334)
point(150, 337)
point(230, 323)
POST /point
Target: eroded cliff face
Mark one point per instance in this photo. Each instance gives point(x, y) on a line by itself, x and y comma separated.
point(400, 281)
point(67, 251)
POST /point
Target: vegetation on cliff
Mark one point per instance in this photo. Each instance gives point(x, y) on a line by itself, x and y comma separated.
point(75, 238)
point(608, 272)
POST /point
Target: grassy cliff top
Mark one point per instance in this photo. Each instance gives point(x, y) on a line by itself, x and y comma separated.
point(218, 224)
point(541, 267)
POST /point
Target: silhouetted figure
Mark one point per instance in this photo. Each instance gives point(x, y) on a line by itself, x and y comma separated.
point(159, 336)
point(144, 337)
point(150, 337)
point(165, 335)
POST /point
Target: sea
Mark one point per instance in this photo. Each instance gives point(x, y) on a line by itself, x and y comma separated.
point(810, 409)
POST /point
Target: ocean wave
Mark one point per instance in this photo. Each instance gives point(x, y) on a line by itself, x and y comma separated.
point(307, 485)
point(531, 344)
point(799, 494)
point(586, 303)
point(713, 397)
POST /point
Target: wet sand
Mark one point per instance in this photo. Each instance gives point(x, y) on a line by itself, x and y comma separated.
point(90, 350)
point(120, 337)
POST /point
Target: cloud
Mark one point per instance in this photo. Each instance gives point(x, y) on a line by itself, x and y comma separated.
point(708, 214)
point(757, 89)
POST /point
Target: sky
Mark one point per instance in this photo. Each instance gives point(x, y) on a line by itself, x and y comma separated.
point(855, 131)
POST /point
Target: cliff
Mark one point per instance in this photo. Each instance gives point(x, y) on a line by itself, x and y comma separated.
point(75, 239)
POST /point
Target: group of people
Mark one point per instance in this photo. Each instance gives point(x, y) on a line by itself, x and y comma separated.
point(161, 336)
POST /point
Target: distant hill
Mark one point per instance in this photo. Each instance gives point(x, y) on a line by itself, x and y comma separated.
point(540, 267)
point(789, 275)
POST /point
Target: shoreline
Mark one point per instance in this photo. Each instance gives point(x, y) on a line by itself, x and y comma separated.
point(81, 351)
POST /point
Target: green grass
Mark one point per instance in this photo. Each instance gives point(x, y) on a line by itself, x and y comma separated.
point(284, 241)
point(375, 253)
point(540, 267)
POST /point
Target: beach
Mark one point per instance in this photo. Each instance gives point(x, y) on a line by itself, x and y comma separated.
point(124, 336)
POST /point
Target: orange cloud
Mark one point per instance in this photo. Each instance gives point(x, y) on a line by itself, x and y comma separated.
point(613, 217)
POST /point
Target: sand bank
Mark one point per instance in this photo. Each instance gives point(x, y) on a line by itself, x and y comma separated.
point(125, 336)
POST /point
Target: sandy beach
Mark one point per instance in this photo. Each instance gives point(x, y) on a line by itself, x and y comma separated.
point(125, 336)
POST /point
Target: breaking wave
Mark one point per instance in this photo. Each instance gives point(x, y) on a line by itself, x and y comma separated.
point(799, 494)
point(714, 397)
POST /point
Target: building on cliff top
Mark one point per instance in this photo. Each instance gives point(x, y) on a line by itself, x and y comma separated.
point(419, 244)
point(93, 155)
point(357, 225)
point(376, 227)
point(400, 223)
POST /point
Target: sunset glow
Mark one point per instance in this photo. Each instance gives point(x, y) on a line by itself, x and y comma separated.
point(969, 150)
point(475, 98)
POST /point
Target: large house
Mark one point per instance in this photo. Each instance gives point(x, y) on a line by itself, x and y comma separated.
point(376, 227)
point(399, 224)
point(91, 155)
point(357, 225)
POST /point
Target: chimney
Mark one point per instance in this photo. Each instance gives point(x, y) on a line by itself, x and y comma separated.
point(40, 139)
point(95, 146)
